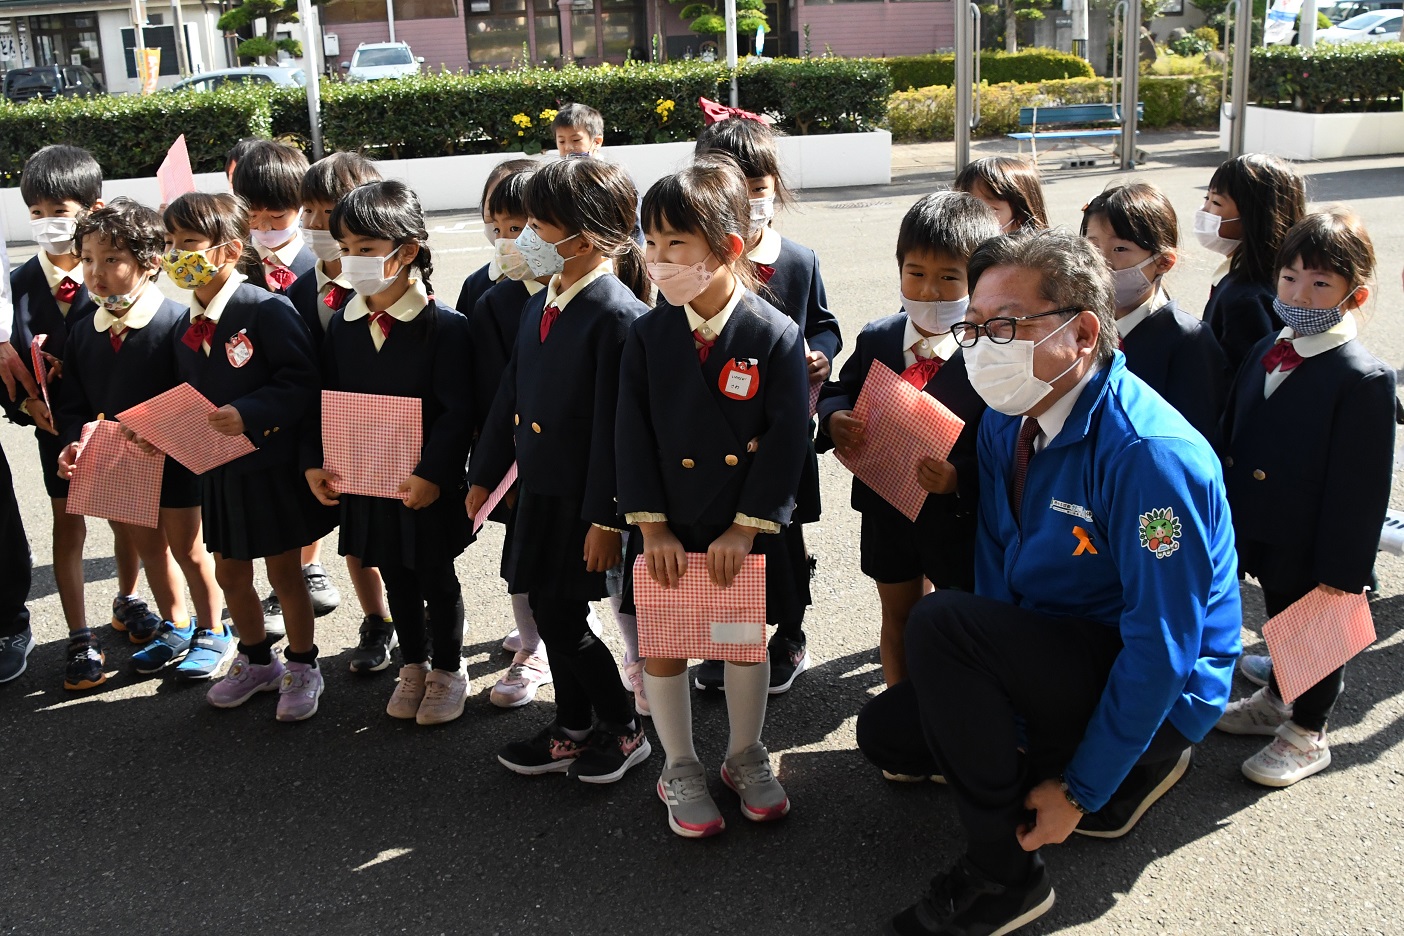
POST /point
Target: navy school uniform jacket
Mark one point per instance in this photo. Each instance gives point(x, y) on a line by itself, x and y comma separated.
point(316, 314)
point(494, 324)
point(1183, 362)
point(302, 264)
point(37, 313)
point(682, 442)
point(951, 515)
point(1309, 468)
point(797, 289)
point(1239, 313)
point(558, 400)
point(278, 386)
point(474, 287)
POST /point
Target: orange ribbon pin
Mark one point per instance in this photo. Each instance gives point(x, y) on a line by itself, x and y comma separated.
point(1084, 542)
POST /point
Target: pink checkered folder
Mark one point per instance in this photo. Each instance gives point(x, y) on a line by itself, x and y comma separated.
point(814, 389)
point(699, 621)
point(370, 442)
point(114, 479)
point(41, 367)
point(178, 423)
point(495, 498)
point(1315, 636)
point(174, 175)
point(902, 425)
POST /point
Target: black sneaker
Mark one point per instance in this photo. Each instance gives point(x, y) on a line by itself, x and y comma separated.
point(14, 654)
point(85, 662)
point(273, 616)
point(550, 750)
point(710, 675)
point(325, 597)
point(378, 638)
point(788, 658)
point(1145, 784)
point(963, 902)
point(612, 750)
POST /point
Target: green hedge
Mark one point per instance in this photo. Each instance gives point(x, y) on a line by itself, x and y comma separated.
point(929, 113)
point(996, 67)
point(1365, 76)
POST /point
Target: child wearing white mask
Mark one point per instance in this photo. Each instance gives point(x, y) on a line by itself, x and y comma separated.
point(903, 557)
point(1134, 227)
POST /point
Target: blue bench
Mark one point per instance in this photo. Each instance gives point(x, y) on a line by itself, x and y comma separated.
point(1068, 115)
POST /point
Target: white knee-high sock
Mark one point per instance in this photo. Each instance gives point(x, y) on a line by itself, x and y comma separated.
point(747, 689)
point(628, 631)
point(526, 625)
point(670, 698)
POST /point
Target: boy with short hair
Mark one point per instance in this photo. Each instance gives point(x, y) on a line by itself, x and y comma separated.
point(579, 130)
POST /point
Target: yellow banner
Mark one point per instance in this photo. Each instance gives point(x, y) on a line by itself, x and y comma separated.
point(148, 68)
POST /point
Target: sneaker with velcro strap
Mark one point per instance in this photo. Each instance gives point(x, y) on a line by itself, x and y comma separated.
point(325, 596)
point(124, 609)
point(273, 623)
point(372, 653)
point(208, 652)
point(170, 644)
point(1294, 754)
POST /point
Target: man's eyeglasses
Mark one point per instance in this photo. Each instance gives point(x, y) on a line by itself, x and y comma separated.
point(1000, 329)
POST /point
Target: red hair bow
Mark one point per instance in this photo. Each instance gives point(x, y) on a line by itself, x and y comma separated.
point(713, 112)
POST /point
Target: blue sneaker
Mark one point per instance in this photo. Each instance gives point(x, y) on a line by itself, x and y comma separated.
point(169, 645)
point(1256, 669)
point(207, 654)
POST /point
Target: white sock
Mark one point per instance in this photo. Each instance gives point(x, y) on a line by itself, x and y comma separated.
point(670, 698)
point(747, 689)
point(628, 631)
point(526, 625)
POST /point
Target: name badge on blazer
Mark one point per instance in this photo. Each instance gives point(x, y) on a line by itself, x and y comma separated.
point(740, 378)
point(239, 349)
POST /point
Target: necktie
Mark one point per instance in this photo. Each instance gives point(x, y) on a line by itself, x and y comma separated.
point(67, 290)
point(703, 345)
point(336, 297)
point(920, 373)
point(764, 272)
point(1023, 452)
point(1282, 355)
point(114, 335)
point(201, 330)
point(279, 277)
point(548, 318)
point(385, 322)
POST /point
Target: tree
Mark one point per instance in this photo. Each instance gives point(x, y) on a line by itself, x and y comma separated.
point(1011, 13)
point(272, 12)
point(707, 18)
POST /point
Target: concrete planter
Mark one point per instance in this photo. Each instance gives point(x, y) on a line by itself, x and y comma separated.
point(454, 183)
point(1295, 135)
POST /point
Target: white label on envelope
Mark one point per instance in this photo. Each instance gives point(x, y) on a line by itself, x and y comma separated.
point(738, 633)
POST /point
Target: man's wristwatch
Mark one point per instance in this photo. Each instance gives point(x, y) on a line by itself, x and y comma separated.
point(1063, 785)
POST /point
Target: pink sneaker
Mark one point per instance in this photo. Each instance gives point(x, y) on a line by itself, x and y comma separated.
point(302, 685)
point(243, 681)
point(633, 672)
point(527, 673)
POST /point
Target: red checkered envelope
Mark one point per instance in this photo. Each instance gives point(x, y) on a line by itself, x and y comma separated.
point(41, 367)
point(178, 423)
point(1314, 637)
point(495, 498)
point(370, 442)
point(902, 425)
point(699, 621)
point(114, 479)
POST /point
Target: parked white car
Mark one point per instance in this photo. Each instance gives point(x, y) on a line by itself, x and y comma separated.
point(376, 61)
point(1377, 26)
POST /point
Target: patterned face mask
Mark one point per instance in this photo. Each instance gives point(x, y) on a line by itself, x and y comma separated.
point(190, 269)
point(1306, 321)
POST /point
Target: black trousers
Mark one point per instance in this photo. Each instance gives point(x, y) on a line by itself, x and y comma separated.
point(583, 671)
point(408, 592)
point(792, 538)
point(1312, 708)
point(987, 679)
point(15, 560)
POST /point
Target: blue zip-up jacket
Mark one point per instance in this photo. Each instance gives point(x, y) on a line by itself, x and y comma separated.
point(1132, 478)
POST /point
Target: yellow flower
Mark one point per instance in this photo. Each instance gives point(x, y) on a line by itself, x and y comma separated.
point(521, 120)
point(548, 115)
point(664, 109)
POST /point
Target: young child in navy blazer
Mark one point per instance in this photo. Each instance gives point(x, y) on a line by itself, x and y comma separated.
point(788, 276)
point(555, 414)
point(394, 339)
point(124, 355)
point(268, 177)
point(249, 353)
point(705, 467)
point(937, 237)
point(1253, 200)
point(489, 274)
point(1134, 227)
point(1309, 458)
point(317, 295)
point(1011, 187)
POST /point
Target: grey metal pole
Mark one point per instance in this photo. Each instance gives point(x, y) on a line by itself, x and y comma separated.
point(182, 58)
point(1306, 37)
point(312, 62)
point(390, 17)
point(1130, 82)
point(731, 48)
point(1242, 49)
point(965, 41)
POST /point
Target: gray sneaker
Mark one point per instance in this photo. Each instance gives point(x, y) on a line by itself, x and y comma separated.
point(273, 616)
point(692, 813)
point(14, 654)
point(763, 799)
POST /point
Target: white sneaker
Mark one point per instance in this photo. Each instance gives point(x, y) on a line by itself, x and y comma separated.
point(409, 691)
point(1261, 713)
point(633, 673)
point(444, 697)
point(527, 673)
point(1293, 755)
point(512, 643)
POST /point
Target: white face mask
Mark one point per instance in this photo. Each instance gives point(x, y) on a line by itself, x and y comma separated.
point(1206, 231)
point(541, 256)
point(367, 274)
point(510, 261)
point(55, 235)
point(276, 237)
point(322, 244)
point(763, 209)
point(935, 317)
point(1131, 283)
point(1003, 374)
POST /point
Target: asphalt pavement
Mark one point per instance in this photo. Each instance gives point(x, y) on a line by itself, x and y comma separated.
point(138, 808)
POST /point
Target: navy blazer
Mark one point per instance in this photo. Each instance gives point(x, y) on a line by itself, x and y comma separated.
point(493, 324)
point(275, 390)
point(1308, 469)
point(303, 294)
point(797, 289)
point(882, 340)
point(682, 444)
point(1183, 362)
point(302, 264)
point(37, 313)
point(97, 379)
point(474, 288)
point(1239, 313)
point(557, 402)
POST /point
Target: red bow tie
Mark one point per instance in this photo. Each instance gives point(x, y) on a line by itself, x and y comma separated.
point(67, 290)
point(336, 297)
point(548, 318)
point(704, 346)
point(764, 272)
point(279, 277)
point(1282, 355)
point(385, 322)
point(200, 331)
point(920, 373)
point(114, 336)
